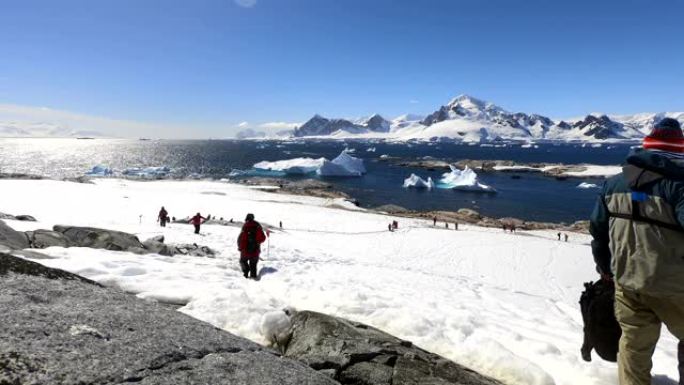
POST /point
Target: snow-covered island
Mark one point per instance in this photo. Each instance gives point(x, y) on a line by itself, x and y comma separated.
point(503, 304)
point(554, 170)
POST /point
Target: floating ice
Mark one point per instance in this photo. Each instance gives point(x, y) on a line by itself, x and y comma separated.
point(351, 164)
point(100, 170)
point(465, 180)
point(147, 172)
point(343, 165)
point(297, 166)
point(585, 185)
point(418, 182)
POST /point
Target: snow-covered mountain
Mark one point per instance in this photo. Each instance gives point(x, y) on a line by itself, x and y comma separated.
point(41, 129)
point(473, 120)
point(644, 122)
point(320, 126)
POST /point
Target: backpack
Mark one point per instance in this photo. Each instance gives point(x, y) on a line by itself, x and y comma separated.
point(601, 329)
point(252, 244)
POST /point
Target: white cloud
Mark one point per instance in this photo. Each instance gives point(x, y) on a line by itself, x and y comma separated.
point(246, 3)
point(276, 126)
point(414, 101)
point(243, 124)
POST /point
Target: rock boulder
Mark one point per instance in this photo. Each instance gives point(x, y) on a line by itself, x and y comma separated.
point(12, 239)
point(59, 328)
point(354, 353)
point(99, 238)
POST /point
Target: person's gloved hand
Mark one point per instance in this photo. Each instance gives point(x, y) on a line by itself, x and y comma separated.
point(607, 277)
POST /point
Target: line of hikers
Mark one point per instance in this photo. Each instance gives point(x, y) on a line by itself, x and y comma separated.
point(638, 245)
point(249, 241)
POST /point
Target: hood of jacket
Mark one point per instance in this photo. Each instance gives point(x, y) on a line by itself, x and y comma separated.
point(644, 167)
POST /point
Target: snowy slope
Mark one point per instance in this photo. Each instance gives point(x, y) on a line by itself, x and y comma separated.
point(504, 304)
point(645, 121)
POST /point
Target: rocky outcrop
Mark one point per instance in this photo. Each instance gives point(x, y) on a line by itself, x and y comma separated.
point(354, 353)
point(99, 238)
point(25, 218)
point(59, 328)
point(156, 245)
point(41, 239)
point(11, 238)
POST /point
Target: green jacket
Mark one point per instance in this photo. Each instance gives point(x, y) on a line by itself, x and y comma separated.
point(638, 225)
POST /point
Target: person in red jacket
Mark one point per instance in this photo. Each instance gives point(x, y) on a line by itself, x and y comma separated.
point(197, 221)
point(163, 217)
point(249, 244)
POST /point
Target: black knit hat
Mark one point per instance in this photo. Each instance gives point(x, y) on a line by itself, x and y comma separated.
point(250, 217)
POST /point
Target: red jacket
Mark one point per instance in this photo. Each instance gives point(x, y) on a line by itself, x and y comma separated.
point(243, 240)
point(196, 220)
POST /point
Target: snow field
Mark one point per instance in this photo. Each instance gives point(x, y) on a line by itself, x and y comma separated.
point(504, 304)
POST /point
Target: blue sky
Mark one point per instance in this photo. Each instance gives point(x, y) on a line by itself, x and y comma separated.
point(199, 68)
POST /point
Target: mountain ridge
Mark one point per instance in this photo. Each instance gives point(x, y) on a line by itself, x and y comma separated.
point(471, 119)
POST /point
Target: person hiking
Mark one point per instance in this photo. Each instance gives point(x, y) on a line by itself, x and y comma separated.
point(163, 217)
point(197, 221)
point(566, 237)
point(249, 244)
point(638, 243)
point(559, 236)
point(434, 221)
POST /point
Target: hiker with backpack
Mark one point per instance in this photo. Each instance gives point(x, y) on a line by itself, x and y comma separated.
point(638, 230)
point(249, 244)
point(163, 217)
point(196, 221)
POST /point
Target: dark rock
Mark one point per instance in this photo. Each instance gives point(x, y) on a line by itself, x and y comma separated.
point(158, 238)
point(99, 238)
point(25, 218)
point(361, 354)
point(41, 239)
point(59, 328)
point(152, 246)
point(16, 265)
point(13, 239)
point(195, 250)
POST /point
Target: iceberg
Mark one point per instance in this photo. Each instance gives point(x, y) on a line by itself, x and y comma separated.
point(353, 165)
point(297, 166)
point(100, 170)
point(343, 165)
point(418, 182)
point(585, 185)
point(147, 172)
point(465, 180)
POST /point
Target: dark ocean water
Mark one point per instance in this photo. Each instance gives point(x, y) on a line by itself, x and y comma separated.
point(532, 197)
